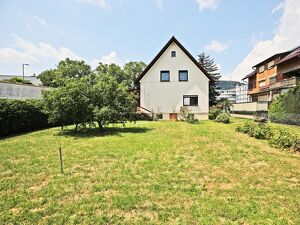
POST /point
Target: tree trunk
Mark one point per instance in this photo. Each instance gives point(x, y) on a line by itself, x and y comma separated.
point(100, 125)
point(76, 126)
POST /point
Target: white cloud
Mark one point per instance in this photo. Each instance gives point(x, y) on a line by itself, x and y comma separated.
point(43, 50)
point(216, 46)
point(100, 3)
point(8, 55)
point(111, 57)
point(41, 21)
point(207, 4)
point(277, 8)
point(159, 3)
point(286, 37)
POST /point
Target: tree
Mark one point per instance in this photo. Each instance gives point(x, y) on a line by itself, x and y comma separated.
point(70, 103)
point(134, 69)
point(66, 71)
point(115, 71)
point(112, 101)
point(212, 69)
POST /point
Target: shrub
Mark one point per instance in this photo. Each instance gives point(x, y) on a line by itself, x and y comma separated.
point(296, 144)
point(261, 131)
point(246, 128)
point(285, 108)
point(142, 117)
point(21, 115)
point(18, 80)
point(282, 139)
point(214, 112)
point(223, 118)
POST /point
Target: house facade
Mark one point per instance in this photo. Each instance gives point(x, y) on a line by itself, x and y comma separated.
point(174, 79)
point(241, 92)
point(274, 76)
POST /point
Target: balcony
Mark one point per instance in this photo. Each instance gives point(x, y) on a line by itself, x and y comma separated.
point(285, 83)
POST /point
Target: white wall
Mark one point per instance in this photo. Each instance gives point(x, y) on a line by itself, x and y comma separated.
point(20, 91)
point(167, 97)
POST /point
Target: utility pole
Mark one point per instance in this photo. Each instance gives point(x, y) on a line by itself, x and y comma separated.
point(24, 64)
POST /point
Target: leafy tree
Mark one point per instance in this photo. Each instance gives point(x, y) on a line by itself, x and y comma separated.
point(48, 77)
point(113, 70)
point(66, 71)
point(69, 103)
point(212, 69)
point(112, 102)
point(134, 69)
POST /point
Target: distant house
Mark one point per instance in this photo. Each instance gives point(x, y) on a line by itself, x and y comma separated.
point(274, 76)
point(174, 79)
point(241, 92)
point(229, 94)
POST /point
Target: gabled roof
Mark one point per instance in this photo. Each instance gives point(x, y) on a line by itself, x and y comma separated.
point(295, 53)
point(173, 39)
point(250, 75)
point(281, 54)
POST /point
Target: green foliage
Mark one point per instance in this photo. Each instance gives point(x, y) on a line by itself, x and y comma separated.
point(223, 118)
point(134, 69)
point(184, 113)
point(17, 80)
point(212, 69)
point(282, 139)
point(21, 115)
point(286, 108)
point(142, 117)
point(66, 71)
point(222, 106)
point(214, 111)
point(257, 130)
point(296, 144)
point(106, 101)
point(111, 97)
point(69, 103)
point(115, 71)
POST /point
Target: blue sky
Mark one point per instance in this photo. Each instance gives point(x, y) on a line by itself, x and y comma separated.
point(42, 32)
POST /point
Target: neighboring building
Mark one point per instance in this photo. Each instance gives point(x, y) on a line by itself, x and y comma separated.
point(172, 80)
point(20, 91)
point(274, 76)
point(33, 79)
point(229, 94)
point(241, 92)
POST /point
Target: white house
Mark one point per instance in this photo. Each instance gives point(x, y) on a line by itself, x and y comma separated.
point(172, 80)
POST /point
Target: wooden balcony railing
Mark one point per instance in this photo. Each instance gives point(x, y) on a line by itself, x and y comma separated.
point(285, 83)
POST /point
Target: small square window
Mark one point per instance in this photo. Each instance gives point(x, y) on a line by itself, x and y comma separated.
point(183, 75)
point(164, 76)
point(173, 54)
point(190, 100)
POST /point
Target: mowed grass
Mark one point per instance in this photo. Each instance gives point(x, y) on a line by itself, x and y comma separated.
point(148, 173)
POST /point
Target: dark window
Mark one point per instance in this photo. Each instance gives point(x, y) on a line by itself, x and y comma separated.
point(183, 75)
point(164, 76)
point(173, 54)
point(159, 116)
point(190, 100)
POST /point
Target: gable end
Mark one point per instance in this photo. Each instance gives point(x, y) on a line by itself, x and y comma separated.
point(173, 39)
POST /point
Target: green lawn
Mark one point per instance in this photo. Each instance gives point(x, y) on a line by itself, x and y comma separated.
point(148, 173)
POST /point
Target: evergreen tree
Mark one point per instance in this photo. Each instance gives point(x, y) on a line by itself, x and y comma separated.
point(212, 69)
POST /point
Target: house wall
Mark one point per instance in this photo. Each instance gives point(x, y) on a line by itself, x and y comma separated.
point(167, 97)
point(288, 66)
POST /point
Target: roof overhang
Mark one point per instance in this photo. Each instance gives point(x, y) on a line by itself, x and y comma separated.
point(172, 40)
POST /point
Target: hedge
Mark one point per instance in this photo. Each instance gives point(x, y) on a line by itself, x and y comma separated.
point(286, 108)
point(21, 115)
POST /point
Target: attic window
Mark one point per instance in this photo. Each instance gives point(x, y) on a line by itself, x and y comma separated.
point(173, 54)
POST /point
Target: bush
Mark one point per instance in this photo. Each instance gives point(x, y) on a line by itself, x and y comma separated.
point(285, 108)
point(261, 131)
point(142, 117)
point(21, 115)
point(296, 144)
point(282, 139)
point(18, 80)
point(214, 112)
point(257, 130)
point(223, 118)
